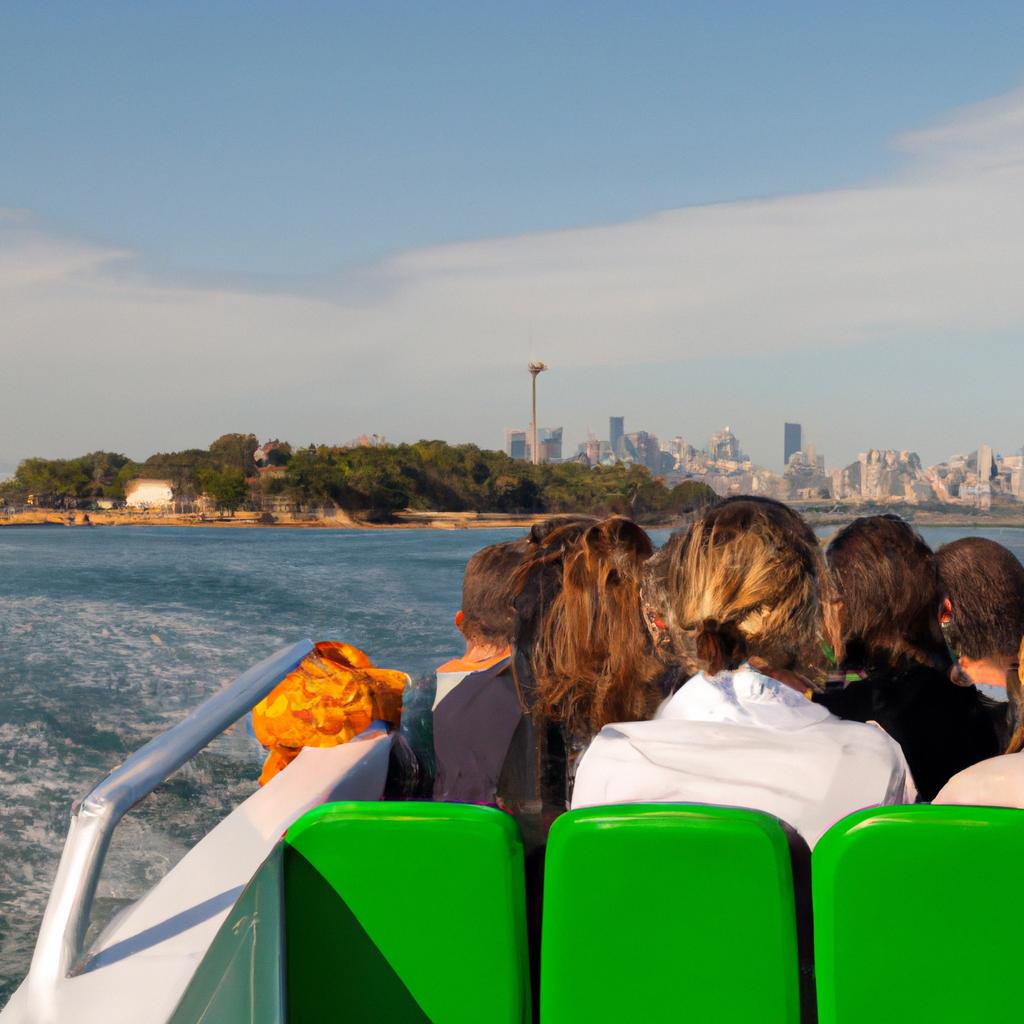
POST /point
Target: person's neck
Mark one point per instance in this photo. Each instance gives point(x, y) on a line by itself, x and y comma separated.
point(485, 651)
point(788, 677)
point(987, 671)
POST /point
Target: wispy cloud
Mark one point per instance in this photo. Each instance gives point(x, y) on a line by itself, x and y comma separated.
point(935, 249)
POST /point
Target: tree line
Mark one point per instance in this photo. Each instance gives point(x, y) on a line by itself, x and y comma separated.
point(374, 482)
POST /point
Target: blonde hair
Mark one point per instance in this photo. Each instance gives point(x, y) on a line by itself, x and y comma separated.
point(744, 581)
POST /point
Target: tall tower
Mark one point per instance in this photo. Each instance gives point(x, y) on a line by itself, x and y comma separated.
point(793, 441)
point(616, 428)
point(535, 368)
point(984, 463)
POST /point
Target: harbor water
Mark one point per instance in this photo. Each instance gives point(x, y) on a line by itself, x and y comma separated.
point(110, 635)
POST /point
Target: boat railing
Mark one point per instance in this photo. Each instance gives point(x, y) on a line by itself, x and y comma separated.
point(94, 818)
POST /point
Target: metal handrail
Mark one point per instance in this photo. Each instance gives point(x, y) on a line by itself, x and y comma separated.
point(94, 818)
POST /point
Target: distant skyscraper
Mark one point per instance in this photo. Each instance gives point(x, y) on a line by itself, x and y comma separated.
point(549, 444)
point(515, 444)
point(616, 427)
point(723, 446)
point(984, 463)
point(793, 441)
point(549, 441)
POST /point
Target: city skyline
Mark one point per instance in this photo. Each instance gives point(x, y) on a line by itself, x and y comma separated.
point(971, 476)
point(303, 227)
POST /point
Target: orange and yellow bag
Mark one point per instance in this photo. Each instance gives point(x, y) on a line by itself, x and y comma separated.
point(330, 697)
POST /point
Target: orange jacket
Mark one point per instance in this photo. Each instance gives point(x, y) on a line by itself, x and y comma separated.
point(330, 697)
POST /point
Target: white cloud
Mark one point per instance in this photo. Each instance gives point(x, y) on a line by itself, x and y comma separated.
point(935, 249)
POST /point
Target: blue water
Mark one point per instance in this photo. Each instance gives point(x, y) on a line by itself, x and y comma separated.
point(110, 634)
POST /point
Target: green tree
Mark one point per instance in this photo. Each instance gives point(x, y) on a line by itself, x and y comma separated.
point(235, 451)
point(227, 487)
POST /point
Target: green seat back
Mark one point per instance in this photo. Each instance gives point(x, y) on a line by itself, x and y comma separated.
point(405, 912)
point(917, 916)
point(668, 912)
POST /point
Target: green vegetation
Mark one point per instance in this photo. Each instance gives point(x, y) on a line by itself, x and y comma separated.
point(373, 482)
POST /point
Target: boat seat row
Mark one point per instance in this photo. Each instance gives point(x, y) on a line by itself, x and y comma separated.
point(416, 912)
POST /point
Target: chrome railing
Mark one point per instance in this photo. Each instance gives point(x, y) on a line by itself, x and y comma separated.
point(94, 818)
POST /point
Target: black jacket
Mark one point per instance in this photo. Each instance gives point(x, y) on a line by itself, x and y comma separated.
point(942, 728)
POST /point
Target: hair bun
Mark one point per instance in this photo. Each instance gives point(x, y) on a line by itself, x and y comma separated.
point(720, 645)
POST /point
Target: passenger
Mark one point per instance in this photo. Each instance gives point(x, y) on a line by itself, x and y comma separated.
point(582, 658)
point(999, 781)
point(743, 585)
point(982, 616)
point(678, 652)
point(476, 708)
point(886, 635)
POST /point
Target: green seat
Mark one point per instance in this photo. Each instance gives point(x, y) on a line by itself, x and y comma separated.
point(669, 912)
point(917, 916)
point(405, 912)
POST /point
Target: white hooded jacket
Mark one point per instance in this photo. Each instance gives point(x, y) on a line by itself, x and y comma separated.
point(744, 739)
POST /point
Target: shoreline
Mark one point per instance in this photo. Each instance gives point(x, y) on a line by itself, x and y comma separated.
point(341, 520)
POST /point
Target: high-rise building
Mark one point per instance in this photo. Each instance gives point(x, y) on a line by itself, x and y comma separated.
point(984, 463)
point(616, 427)
point(549, 443)
point(793, 441)
point(724, 447)
point(642, 448)
point(515, 444)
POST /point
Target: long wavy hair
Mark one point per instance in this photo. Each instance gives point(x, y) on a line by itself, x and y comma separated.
point(743, 582)
point(580, 625)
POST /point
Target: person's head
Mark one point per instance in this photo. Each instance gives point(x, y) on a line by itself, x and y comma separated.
point(886, 586)
point(567, 525)
point(982, 614)
point(742, 582)
point(487, 613)
point(784, 515)
point(580, 627)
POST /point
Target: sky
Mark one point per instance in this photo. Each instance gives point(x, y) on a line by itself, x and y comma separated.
point(314, 220)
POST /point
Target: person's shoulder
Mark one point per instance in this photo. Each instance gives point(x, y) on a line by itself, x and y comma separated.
point(868, 736)
point(997, 781)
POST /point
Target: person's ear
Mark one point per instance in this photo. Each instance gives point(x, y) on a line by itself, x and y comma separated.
point(946, 612)
point(458, 618)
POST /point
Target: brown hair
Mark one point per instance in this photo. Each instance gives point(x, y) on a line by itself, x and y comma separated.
point(985, 585)
point(1015, 693)
point(743, 581)
point(487, 595)
point(579, 616)
point(887, 583)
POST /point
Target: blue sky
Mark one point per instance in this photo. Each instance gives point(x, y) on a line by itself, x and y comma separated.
point(322, 157)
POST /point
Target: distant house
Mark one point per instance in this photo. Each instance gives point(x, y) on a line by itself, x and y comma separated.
point(143, 494)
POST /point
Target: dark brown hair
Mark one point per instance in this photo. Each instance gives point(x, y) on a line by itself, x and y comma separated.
point(985, 585)
point(743, 581)
point(578, 615)
point(886, 579)
point(487, 595)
